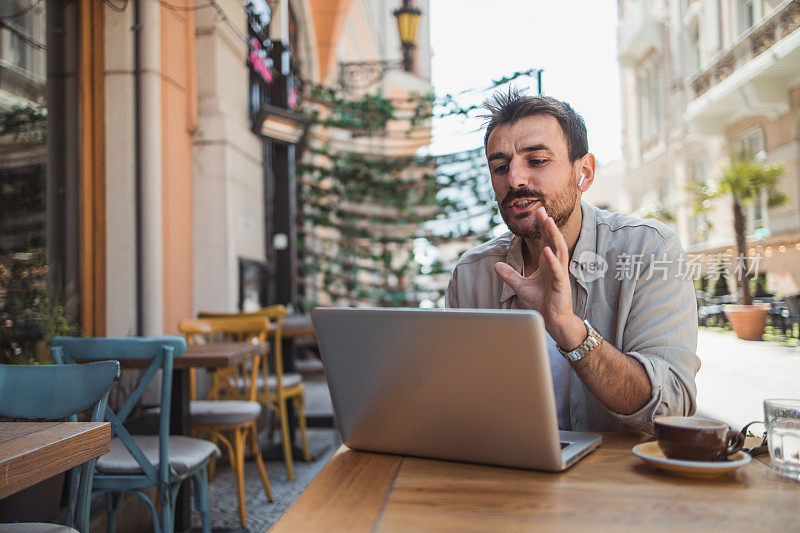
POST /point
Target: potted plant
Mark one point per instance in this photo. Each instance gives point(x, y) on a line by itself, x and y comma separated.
point(28, 321)
point(743, 180)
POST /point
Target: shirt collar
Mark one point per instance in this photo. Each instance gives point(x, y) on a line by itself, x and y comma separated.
point(514, 259)
point(587, 240)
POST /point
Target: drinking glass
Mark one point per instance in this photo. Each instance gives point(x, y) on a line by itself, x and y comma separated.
point(782, 418)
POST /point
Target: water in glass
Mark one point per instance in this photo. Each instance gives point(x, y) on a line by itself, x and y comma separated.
point(783, 435)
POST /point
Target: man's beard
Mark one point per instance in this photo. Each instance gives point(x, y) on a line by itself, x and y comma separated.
point(524, 225)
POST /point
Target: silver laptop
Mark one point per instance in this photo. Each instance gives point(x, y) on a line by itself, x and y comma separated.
point(463, 385)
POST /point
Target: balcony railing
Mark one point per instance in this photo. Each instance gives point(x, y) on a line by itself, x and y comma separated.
point(776, 25)
point(21, 82)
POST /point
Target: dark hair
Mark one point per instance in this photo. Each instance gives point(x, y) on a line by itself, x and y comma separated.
point(508, 108)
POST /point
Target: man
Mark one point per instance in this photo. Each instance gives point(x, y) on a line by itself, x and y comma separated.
point(620, 313)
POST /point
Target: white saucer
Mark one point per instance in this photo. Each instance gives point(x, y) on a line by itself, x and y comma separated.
point(650, 453)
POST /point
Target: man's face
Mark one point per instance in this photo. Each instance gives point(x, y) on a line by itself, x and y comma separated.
point(529, 164)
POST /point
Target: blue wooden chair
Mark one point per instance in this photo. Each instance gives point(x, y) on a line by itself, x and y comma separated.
point(137, 462)
point(47, 392)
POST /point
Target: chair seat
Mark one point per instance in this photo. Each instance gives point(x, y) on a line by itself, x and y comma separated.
point(185, 454)
point(223, 412)
point(289, 380)
point(35, 528)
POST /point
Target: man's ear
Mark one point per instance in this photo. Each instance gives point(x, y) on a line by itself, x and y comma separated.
point(586, 170)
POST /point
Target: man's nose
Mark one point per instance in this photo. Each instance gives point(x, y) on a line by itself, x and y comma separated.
point(517, 176)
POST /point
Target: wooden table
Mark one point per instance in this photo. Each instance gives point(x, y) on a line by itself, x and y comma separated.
point(31, 452)
point(609, 490)
point(210, 357)
point(293, 326)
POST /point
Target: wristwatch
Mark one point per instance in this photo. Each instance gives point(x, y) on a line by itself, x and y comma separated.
point(592, 341)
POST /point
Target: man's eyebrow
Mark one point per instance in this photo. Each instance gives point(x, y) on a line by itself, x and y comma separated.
point(498, 155)
point(536, 148)
point(533, 148)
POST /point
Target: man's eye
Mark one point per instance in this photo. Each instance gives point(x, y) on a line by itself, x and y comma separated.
point(501, 168)
point(537, 162)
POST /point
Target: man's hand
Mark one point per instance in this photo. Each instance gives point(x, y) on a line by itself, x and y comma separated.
point(547, 290)
point(619, 381)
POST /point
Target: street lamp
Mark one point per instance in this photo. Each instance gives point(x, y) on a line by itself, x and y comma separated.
point(407, 22)
point(362, 74)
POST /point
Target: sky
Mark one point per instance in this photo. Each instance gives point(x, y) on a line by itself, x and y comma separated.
point(574, 41)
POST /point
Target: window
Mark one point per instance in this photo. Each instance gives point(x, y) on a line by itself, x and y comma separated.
point(694, 46)
point(745, 15)
point(16, 35)
point(698, 173)
point(758, 211)
point(39, 232)
point(650, 108)
point(751, 144)
point(663, 191)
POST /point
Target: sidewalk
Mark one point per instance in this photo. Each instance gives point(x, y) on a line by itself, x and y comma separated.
point(736, 376)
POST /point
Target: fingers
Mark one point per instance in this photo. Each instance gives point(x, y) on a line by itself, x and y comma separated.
point(555, 265)
point(508, 274)
point(552, 236)
point(558, 242)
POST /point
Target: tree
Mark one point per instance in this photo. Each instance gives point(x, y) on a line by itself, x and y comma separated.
point(745, 180)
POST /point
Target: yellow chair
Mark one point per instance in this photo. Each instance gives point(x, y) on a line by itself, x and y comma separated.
point(281, 387)
point(230, 407)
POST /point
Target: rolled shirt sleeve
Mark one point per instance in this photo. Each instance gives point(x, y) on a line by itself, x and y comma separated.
point(660, 331)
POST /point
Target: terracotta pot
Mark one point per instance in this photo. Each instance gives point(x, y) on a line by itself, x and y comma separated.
point(748, 321)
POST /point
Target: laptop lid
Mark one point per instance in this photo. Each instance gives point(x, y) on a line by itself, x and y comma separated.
point(464, 385)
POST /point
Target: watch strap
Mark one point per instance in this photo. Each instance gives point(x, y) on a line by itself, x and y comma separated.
point(592, 341)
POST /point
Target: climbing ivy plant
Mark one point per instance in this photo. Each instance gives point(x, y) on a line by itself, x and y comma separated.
point(365, 215)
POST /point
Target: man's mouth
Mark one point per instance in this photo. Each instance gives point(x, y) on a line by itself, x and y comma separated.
point(522, 205)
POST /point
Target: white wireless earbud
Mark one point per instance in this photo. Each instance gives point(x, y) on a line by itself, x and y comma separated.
point(580, 181)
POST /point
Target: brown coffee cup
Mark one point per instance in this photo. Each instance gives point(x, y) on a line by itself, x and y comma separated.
point(696, 439)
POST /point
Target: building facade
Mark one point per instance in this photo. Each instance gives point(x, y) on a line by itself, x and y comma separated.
point(367, 60)
point(148, 149)
point(51, 150)
point(704, 80)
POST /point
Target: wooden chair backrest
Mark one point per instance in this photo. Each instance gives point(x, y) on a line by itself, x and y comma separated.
point(274, 314)
point(161, 352)
point(239, 382)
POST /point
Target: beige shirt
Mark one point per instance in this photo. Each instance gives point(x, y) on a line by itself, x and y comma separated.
point(643, 303)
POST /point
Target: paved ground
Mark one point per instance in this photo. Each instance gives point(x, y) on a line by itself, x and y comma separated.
point(736, 376)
